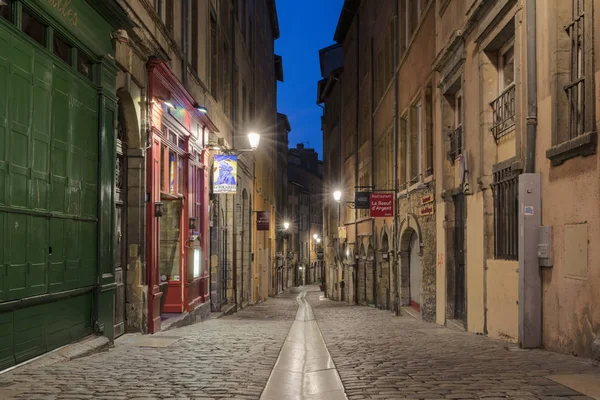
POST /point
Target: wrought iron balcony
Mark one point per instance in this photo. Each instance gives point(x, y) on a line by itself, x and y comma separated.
point(455, 143)
point(504, 112)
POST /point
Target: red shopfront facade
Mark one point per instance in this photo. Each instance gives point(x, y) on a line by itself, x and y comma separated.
point(177, 208)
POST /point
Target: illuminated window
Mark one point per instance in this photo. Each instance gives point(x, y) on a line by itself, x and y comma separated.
point(172, 171)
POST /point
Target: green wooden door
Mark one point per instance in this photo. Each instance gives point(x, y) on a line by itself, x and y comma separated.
point(48, 197)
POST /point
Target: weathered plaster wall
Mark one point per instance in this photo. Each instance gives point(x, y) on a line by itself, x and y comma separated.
point(475, 263)
point(502, 297)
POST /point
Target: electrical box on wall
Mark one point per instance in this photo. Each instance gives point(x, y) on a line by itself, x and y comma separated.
point(544, 250)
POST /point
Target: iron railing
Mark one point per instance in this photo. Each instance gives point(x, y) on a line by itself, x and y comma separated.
point(575, 89)
point(504, 112)
point(455, 143)
point(506, 214)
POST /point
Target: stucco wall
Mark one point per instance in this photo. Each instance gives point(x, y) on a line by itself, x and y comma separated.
point(440, 277)
point(502, 296)
point(475, 263)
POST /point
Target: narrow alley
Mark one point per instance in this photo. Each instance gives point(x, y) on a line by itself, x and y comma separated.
point(377, 356)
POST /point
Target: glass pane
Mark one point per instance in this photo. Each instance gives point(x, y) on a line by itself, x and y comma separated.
point(62, 49)
point(509, 67)
point(180, 174)
point(6, 11)
point(173, 137)
point(162, 168)
point(181, 144)
point(84, 66)
point(33, 28)
point(172, 170)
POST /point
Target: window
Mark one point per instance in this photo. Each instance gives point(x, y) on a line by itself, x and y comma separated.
point(428, 132)
point(226, 79)
point(576, 87)
point(6, 11)
point(456, 145)
point(384, 161)
point(163, 150)
point(384, 62)
point(33, 27)
point(414, 146)
point(180, 175)
point(506, 212)
point(84, 65)
point(403, 151)
point(62, 49)
point(168, 18)
point(364, 124)
point(172, 171)
point(194, 36)
point(213, 57)
point(503, 106)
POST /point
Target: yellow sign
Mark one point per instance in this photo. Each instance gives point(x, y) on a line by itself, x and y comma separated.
point(342, 232)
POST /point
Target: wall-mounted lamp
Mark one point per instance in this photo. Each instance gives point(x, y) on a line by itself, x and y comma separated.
point(158, 209)
point(318, 240)
point(253, 140)
point(192, 223)
point(337, 195)
point(286, 225)
point(315, 236)
point(201, 109)
point(166, 102)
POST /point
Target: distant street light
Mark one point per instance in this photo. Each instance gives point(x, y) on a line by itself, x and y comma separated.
point(318, 240)
point(315, 236)
point(286, 225)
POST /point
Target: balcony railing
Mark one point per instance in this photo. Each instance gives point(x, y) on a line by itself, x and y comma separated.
point(455, 143)
point(504, 112)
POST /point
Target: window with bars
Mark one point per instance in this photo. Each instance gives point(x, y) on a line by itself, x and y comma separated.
point(506, 212)
point(576, 87)
point(456, 136)
point(503, 106)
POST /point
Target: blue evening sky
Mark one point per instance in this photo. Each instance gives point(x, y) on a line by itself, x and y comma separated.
point(306, 26)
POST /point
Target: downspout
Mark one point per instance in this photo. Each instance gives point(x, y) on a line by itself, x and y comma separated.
point(372, 123)
point(531, 87)
point(233, 133)
point(357, 85)
point(395, 172)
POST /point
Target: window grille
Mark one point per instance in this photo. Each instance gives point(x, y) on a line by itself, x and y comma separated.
point(455, 143)
point(504, 112)
point(506, 213)
point(575, 89)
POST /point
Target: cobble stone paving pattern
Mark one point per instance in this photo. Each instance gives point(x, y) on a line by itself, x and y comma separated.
point(230, 357)
point(381, 356)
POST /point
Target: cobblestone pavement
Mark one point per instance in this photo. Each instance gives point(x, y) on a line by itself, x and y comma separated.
point(230, 357)
point(379, 356)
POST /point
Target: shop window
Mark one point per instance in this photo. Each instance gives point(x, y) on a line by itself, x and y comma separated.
point(32, 27)
point(163, 149)
point(6, 11)
point(84, 65)
point(172, 171)
point(180, 174)
point(61, 49)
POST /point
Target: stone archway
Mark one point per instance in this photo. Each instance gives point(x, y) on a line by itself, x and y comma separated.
point(410, 267)
point(130, 184)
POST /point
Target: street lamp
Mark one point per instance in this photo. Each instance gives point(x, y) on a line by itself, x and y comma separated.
point(253, 139)
point(315, 236)
point(337, 195)
point(318, 240)
point(286, 225)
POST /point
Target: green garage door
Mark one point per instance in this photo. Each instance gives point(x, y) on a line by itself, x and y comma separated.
point(48, 199)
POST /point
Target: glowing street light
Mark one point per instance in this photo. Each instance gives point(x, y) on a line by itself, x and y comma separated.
point(253, 139)
point(337, 195)
point(315, 236)
point(286, 225)
point(318, 240)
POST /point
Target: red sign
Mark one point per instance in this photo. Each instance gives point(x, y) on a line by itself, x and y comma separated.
point(262, 220)
point(382, 205)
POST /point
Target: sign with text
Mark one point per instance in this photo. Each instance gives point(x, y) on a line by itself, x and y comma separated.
point(362, 200)
point(427, 199)
point(224, 174)
point(342, 232)
point(382, 205)
point(427, 210)
point(262, 220)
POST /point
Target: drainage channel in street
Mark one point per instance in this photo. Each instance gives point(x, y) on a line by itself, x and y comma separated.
point(304, 369)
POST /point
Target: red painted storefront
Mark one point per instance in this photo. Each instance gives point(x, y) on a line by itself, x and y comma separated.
point(177, 241)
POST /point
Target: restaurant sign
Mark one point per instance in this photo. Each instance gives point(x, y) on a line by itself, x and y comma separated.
point(382, 205)
point(262, 220)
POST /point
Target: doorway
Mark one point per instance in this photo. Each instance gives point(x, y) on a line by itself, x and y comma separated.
point(459, 257)
point(415, 272)
point(120, 225)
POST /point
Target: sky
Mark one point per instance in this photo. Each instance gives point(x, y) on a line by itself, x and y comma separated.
point(305, 27)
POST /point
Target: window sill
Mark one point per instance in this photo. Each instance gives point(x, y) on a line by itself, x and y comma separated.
point(584, 145)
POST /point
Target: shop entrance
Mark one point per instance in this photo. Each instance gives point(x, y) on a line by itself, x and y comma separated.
point(171, 277)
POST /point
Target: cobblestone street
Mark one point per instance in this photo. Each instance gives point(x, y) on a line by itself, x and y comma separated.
point(377, 355)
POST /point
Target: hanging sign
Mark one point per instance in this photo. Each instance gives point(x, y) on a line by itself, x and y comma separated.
point(342, 232)
point(382, 205)
point(224, 174)
point(362, 200)
point(427, 199)
point(262, 220)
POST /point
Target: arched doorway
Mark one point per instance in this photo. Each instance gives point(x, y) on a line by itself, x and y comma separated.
point(415, 272)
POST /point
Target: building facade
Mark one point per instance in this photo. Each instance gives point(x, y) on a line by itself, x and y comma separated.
point(305, 213)
point(492, 136)
point(282, 266)
point(58, 118)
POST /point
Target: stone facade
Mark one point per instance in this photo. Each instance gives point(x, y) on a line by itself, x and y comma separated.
point(451, 123)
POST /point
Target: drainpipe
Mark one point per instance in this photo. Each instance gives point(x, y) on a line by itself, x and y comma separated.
point(395, 172)
point(531, 87)
point(232, 108)
point(357, 85)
